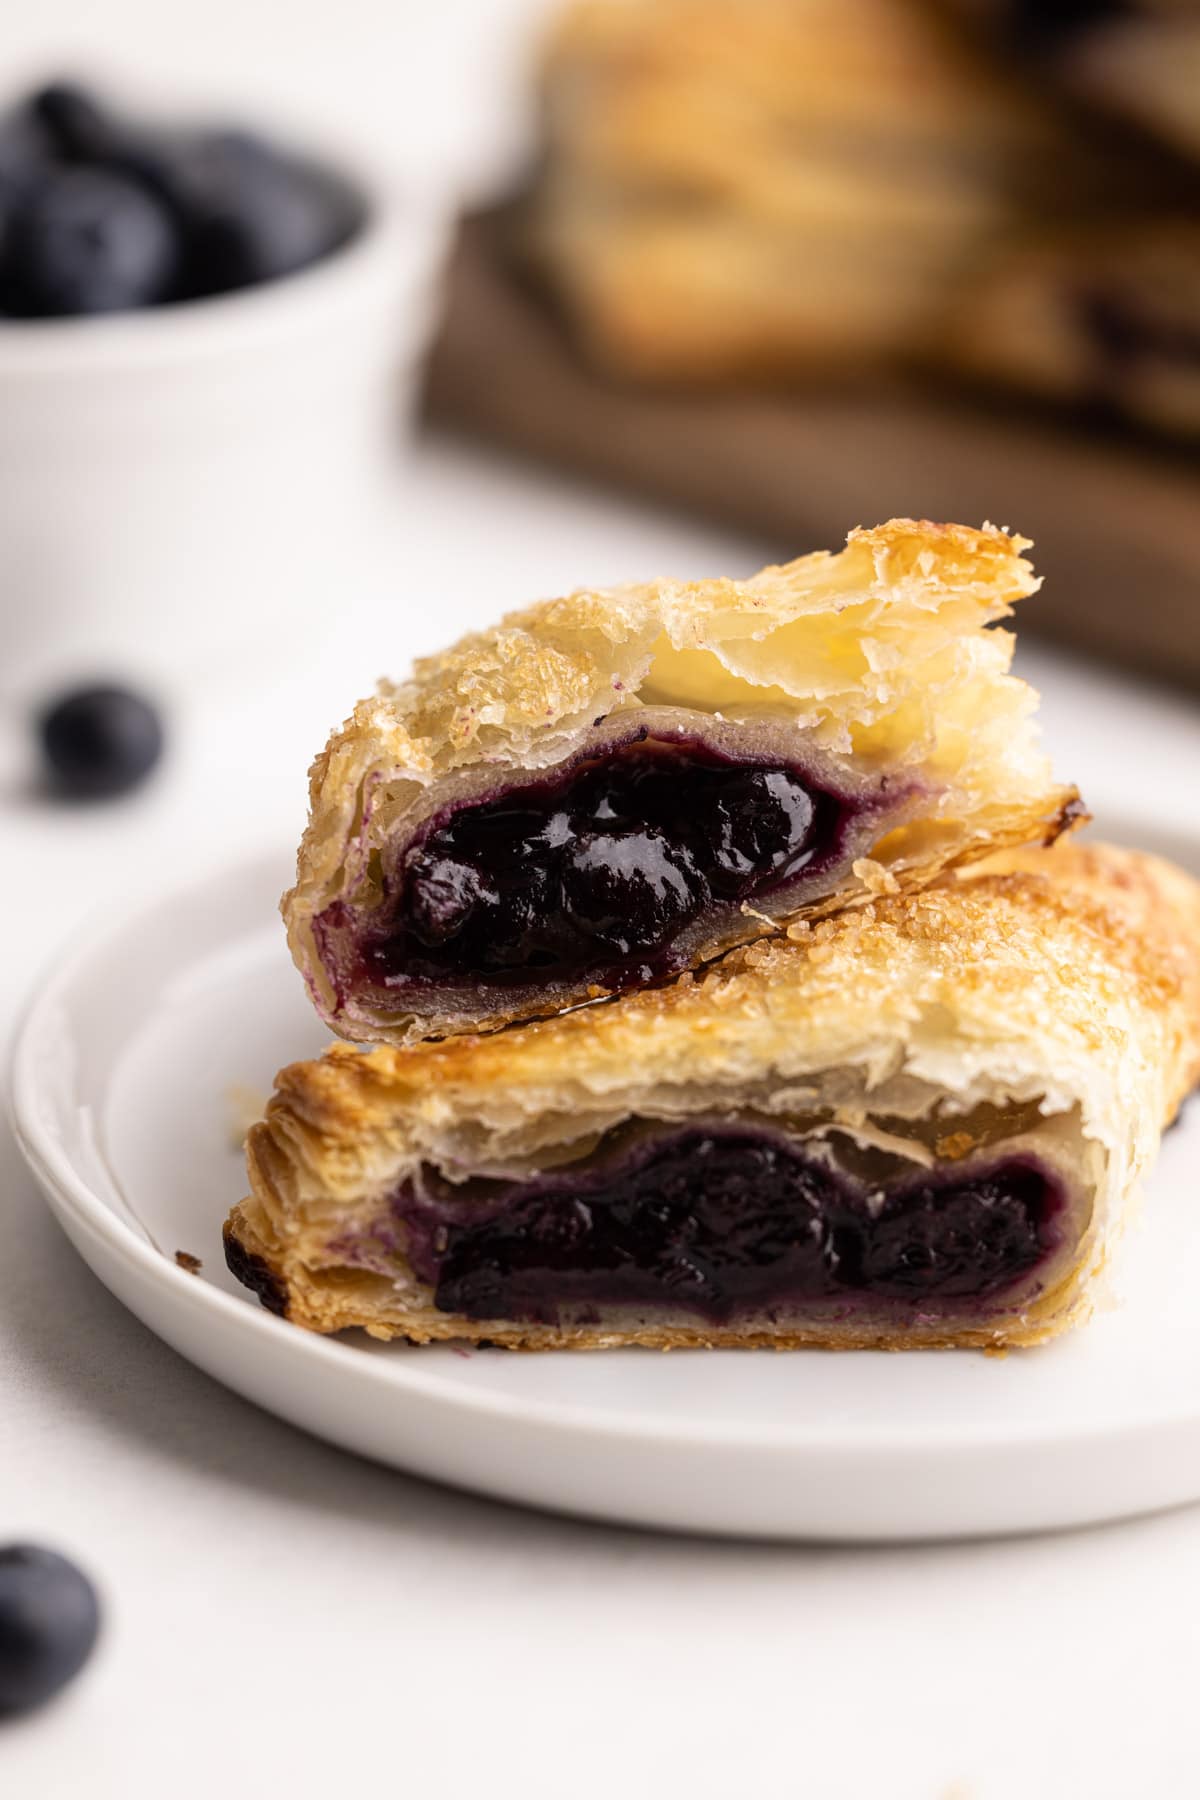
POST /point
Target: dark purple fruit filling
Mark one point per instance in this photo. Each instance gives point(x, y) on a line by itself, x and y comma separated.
point(595, 872)
point(724, 1221)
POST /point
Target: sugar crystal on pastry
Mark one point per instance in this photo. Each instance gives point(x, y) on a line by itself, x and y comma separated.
point(611, 788)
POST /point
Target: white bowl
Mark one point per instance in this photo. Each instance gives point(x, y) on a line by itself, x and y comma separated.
point(184, 476)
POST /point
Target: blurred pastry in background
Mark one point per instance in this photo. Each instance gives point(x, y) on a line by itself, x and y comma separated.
point(813, 189)
point(742, 189)
point(1147, 70)
point(1108, 319)
point(1138, 60)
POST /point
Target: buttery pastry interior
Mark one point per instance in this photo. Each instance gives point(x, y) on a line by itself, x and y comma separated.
point(917, 1124)
point(611, 788)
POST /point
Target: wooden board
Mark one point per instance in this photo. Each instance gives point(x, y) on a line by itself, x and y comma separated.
point(1116, 522)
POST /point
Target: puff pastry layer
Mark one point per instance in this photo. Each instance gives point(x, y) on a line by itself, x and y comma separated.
point(612, 787)
point(918, 1124)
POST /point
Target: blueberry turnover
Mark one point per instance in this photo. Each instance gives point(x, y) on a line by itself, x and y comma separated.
point(921, 1123)
point(608, 789)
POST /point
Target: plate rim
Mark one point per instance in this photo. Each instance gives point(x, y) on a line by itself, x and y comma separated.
point(66, 1190)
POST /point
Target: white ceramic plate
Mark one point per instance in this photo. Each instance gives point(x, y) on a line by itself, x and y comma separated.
point(122, 1088)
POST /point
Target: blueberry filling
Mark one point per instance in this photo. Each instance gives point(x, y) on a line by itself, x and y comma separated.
point(723, 1221)
point(594, 872)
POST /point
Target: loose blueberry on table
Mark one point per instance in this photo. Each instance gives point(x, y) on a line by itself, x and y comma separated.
point(100, 213)
point(99, 741)
point(49, 1622)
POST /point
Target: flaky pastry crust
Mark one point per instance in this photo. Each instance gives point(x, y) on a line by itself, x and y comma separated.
point(877, 667)
point(1063, 981)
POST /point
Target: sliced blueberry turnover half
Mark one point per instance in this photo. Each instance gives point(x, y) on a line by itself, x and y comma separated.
point(607, 790)
point(917, 1124)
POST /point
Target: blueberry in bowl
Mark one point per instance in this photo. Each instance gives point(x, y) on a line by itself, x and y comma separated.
point(209, 340)
point(101, 213)
point(86, 240)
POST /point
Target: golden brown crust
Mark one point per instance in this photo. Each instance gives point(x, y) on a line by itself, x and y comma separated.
point(877, 667)
point(627, 81)
point(1070, 978)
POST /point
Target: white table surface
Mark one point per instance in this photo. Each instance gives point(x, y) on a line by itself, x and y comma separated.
point(284, 1618)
